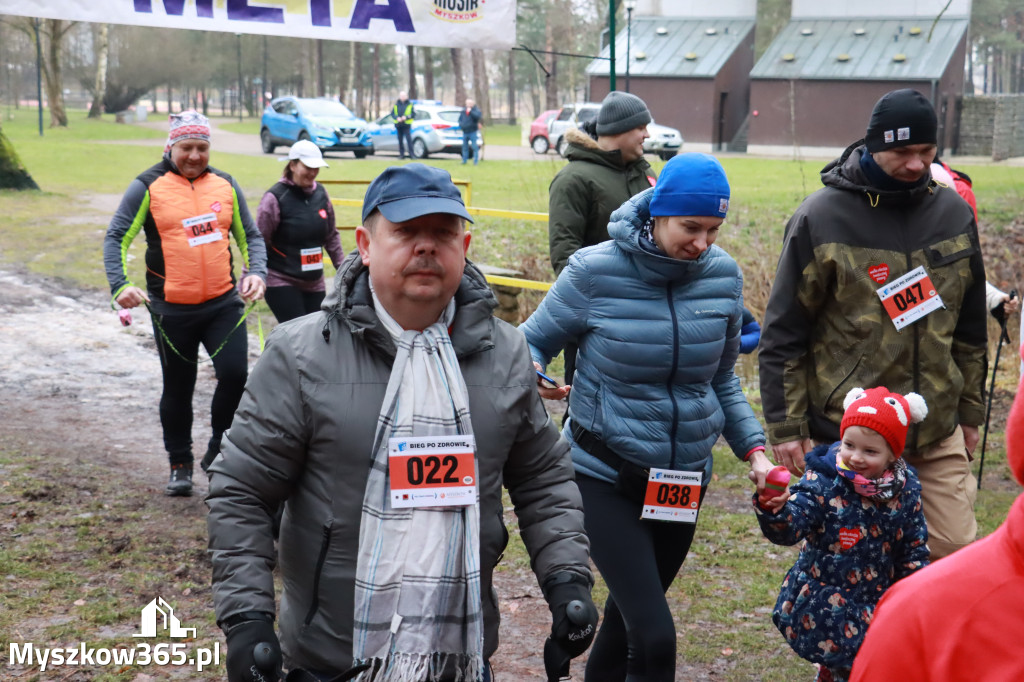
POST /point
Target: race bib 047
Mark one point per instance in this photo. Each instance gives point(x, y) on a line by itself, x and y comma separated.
point(909, 298)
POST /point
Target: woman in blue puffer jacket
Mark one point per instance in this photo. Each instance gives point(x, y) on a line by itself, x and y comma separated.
point(656, 313)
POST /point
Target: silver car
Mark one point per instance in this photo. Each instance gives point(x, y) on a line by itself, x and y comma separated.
point(663, 141)
point(435, 130)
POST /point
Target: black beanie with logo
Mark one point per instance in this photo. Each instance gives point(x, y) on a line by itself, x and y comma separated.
point(899, 119)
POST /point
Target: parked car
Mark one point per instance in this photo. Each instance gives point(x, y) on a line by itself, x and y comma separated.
point(327, 123)
point(663, 141)
point(539, 132)
point(435, 130)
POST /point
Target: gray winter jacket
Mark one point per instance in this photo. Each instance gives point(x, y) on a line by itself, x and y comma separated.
point(303, 433)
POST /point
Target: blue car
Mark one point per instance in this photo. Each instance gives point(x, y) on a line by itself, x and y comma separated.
point(327, 123)
point(435, 130)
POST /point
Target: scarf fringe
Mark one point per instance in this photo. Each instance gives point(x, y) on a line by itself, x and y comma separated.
point(408, 667)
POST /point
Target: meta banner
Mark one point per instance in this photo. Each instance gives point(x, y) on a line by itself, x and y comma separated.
point(489, 24)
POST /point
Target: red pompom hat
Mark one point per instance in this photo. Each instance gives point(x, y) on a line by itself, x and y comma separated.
point(889, 414)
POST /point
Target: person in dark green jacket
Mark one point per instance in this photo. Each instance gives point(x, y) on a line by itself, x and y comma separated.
point(606, 167)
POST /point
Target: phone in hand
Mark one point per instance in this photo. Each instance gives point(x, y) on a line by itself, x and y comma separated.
point(544, 378)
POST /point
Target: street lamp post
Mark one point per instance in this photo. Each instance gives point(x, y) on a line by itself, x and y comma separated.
point(611, 45)
point(630, 5)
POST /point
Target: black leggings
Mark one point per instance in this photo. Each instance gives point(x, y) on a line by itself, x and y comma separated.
point(287, 303)
point(638, 561)
point(186, 332)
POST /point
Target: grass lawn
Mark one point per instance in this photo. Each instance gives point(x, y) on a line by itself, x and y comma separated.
point(724, 594)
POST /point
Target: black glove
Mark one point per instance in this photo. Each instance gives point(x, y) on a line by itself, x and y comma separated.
point(254, 653)
point(573, 614)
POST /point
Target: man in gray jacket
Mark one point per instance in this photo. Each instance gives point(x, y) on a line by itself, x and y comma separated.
point(388, 424)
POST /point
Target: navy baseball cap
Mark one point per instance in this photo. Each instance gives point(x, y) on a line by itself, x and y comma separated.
point(402, 193)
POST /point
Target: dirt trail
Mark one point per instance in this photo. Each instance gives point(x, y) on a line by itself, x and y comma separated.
point(75, 384)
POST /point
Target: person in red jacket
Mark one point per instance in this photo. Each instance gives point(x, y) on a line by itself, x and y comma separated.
point(961, 617)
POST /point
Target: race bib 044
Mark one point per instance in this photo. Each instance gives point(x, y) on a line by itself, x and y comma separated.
point(202, 229)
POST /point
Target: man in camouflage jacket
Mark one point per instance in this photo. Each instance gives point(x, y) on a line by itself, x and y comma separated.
point(879, 217)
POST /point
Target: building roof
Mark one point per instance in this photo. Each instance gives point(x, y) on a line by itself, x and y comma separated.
point(861, 49)
point(676, 47)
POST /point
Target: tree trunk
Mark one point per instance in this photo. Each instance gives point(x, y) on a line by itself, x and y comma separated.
point(428, 73)
point(54, 29)
point(13, 175)
point(344, 69)
point(481, 89)
point(551, 82)
point(99, 88)
point(318, 61)
point(376, 81)
point(206, 103)
point(357, 74)
point(410, 53)
point(511, 88)
point(460, 87)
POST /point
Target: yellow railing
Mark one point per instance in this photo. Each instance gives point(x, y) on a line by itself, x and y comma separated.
point(467, 186)
point(503, 281)
point(500, 280)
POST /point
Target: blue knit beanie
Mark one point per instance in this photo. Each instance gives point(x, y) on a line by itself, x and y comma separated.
point(692, 185)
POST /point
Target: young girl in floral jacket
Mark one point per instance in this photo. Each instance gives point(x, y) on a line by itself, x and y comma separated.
point(858, 509)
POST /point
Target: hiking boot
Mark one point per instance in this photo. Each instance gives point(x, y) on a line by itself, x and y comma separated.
point(180, 484)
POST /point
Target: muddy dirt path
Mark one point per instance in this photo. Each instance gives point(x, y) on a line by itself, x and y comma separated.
point(75, 384)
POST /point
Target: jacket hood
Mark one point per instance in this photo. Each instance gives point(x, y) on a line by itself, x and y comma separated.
point(583, 147)
point(846, 174)
point(626, 229)
point(351, 303)
point(823, 459)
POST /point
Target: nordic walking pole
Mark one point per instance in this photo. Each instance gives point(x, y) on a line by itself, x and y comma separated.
point(1003, 336)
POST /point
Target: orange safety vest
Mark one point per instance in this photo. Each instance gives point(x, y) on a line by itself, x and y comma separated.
point(194, 222)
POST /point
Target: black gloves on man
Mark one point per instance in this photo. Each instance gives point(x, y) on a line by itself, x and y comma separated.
point(254, 652)
point(573, 614)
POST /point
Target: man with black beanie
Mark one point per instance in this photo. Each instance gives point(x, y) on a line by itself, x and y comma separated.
point(606, 167)
point(881, 283)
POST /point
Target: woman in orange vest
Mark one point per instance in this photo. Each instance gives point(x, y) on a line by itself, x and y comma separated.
point(188, 211)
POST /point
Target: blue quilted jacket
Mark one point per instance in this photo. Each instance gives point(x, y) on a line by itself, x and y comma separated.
point(658, 338)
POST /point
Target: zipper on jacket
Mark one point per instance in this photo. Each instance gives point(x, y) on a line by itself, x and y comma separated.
point(915, 362)
point(672, 374)
point(202, 261)
point(325, 543)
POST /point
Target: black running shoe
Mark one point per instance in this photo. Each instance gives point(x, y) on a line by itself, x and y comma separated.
point(180, 484)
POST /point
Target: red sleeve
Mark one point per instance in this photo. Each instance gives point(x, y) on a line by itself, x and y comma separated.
point(894, 647)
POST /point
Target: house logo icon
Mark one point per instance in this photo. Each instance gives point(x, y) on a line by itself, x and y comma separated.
point(158, 616)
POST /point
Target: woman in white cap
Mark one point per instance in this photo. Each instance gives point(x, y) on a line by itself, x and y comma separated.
point(297, 222)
